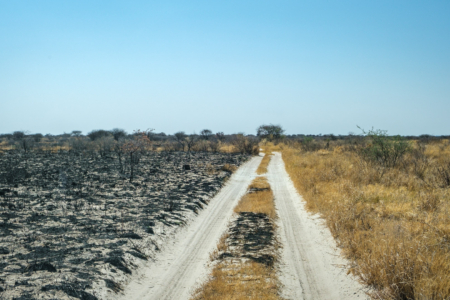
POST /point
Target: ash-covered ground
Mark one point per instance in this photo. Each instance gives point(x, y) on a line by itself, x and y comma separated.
point(251, 237)
point(73, 224)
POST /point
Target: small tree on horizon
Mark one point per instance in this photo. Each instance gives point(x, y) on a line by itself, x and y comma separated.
point(97, 134)
point(205, 134)
point(76, 133)
point(118, 133)
point(220, 136)
point(270, 132)
point(180, 136)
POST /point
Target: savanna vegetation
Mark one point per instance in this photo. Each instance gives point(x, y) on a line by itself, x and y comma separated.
point(386, 200)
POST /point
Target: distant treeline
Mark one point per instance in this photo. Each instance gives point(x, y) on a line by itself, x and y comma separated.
point(206, 140)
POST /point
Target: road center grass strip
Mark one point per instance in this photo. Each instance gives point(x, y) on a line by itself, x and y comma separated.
point(262, 169)
point(245, 255)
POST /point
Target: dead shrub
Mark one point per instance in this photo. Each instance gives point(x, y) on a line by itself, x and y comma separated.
point(210, 169)
point(246, 145)
point(229, 168)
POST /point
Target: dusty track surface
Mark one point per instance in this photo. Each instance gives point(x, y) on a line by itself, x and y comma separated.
point(182, 264)
point(311, 267)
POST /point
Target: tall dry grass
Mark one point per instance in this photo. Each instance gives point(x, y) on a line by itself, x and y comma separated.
point(394, 224)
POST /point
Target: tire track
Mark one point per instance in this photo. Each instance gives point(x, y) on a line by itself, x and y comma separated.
point(309, 263)
point(182, 264)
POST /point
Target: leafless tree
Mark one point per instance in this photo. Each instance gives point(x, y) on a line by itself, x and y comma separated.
point(23, 141)
point(220, 136)
point(180, 136)
point(191, 140)
point(118, 133)
point(214, 145)
point(205, 134)
point(78, 143)
point(105, 145)
point(134, 149)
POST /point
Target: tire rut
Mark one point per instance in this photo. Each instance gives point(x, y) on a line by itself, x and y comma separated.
point(309, 259)
point(182, 264)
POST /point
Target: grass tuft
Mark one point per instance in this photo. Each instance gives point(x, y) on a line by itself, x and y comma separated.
point(229, 168)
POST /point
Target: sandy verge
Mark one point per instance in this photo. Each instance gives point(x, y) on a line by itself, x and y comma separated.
point(311, 266)
point(183, 262)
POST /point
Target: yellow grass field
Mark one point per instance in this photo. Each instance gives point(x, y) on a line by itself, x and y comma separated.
point(393, 224)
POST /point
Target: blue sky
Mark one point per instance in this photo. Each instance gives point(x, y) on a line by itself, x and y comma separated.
point(310, 66)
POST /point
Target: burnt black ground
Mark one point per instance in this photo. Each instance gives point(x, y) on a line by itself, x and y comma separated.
point(69, 221)
point(251, 237)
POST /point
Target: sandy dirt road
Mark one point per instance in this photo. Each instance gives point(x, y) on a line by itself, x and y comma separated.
point(311, 267)
point(183, 263)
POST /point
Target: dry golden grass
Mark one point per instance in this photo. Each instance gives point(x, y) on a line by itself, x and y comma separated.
point(6, 146)
point(236, 279)
point(262, 168)
point(393, 224)
point(259, 202)
point(259, 183)
point(269, 147)
point(227, 148)
point(229, 168)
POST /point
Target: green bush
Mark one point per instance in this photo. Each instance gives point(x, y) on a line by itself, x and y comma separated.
point(386, 151)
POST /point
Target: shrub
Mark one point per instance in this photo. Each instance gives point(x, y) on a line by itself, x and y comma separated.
point(97, 134)
point(270, 132)
point(309, 144)
point(382, 149)
point(246, 145)
point(118, 133)
point(229, 168)
point(205, 134)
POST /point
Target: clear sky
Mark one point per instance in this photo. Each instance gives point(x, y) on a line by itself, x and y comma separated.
point(310, 66)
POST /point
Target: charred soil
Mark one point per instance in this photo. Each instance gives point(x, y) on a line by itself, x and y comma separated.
point(72, 222)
